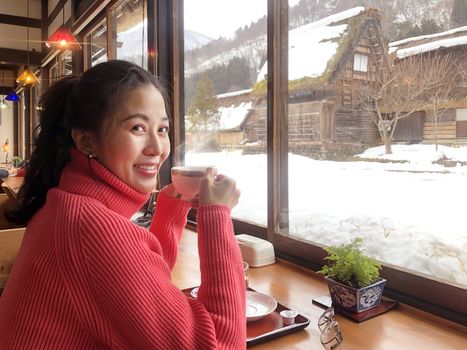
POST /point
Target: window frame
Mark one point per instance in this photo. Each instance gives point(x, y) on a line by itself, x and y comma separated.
point(358, 57)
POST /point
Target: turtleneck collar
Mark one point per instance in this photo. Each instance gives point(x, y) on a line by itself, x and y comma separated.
point(88, 177)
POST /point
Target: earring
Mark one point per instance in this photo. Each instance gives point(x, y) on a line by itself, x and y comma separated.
point(90, 156)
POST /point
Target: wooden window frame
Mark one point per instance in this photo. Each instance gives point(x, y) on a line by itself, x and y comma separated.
point(360, 58)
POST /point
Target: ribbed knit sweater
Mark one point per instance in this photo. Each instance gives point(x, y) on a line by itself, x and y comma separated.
point(86, 277)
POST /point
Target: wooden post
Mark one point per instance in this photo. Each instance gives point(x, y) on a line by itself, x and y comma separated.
point(277, 117)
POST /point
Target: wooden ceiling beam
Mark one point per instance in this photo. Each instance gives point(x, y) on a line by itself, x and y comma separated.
point(20, 21)
point(19, 57)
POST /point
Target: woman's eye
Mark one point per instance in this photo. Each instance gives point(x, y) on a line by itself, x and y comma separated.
point(164, 129)
point(138, 127)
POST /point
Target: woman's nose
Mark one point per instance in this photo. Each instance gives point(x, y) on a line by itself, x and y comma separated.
point(154, 146)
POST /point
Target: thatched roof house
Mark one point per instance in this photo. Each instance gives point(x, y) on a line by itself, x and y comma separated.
point(328, 61)
point(234, 110)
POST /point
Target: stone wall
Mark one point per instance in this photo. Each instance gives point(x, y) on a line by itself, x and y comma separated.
point(315, 150)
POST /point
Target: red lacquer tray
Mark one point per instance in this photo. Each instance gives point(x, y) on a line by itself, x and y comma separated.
point(271, 326)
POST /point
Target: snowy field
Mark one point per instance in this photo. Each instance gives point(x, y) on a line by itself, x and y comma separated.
point(409, 214)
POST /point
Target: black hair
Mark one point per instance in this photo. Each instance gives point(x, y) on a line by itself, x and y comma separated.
point(86, 103)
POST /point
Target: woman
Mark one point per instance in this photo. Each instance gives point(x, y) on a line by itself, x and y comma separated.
point(86, 277)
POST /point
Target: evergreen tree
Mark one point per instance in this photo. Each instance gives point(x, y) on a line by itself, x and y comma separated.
point(429, 26)
point(459, 13)
point(203, 115)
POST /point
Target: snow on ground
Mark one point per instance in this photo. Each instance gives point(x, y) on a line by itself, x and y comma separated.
point(409, 214)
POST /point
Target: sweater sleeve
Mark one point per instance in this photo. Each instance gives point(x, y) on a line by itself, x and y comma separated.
point(168, 223)
point(136, 305)
point(222, 288)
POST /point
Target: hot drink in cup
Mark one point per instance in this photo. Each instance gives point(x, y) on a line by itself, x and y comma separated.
point(187, 179)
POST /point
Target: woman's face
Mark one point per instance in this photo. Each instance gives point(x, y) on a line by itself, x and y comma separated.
point(137, 141)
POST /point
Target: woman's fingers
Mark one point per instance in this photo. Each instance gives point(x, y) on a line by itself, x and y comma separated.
point(219, 190)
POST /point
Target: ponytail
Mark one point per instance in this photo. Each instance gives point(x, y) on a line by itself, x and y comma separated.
point(51, 152)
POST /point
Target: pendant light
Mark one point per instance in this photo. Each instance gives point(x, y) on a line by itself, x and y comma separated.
point(3, 104)
point(62, 38)
point(27, 77)
point(12, 96)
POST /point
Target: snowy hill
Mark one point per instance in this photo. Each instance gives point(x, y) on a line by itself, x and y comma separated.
point(194, 40)
point(131, 41)
point(252, 50)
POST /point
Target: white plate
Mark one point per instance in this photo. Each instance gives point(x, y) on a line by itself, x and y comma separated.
point(258, 305)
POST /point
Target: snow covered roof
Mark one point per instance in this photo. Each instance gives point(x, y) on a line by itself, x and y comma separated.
point(425, 43)
point(313, 45)
point(231, 117)
point(234, 93)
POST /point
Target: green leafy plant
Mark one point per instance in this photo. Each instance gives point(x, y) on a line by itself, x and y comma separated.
point(349, 265)
point(17, 161)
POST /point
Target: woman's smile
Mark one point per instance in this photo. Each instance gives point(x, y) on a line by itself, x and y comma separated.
point(146, 169)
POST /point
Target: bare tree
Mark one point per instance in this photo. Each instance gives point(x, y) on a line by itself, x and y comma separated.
point(410, 85)
point(415, 11)
point(450, 80)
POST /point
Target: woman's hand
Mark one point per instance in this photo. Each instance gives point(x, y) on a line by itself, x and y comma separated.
point(218, 189)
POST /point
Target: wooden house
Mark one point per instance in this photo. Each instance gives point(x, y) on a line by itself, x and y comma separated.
point(234, 125)
point(234, 111)
point(452, 122)
point(329, 60)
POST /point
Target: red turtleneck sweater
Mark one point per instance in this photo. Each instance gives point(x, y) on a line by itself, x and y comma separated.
point(86, 277)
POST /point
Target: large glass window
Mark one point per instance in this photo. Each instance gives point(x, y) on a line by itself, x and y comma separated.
point(344, 180)
point(225, 48)
point(361, 148)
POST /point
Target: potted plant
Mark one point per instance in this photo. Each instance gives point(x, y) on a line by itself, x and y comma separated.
point(17, 161)
point(353, 277)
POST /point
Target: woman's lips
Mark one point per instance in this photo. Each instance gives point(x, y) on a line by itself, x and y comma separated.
point(147, 169)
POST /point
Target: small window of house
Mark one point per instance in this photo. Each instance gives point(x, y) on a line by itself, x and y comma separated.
point(461, 114)
point(360, 63)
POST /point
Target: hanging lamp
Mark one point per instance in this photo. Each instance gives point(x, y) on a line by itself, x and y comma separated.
point(12, 96)
point(27, 77)
point(62, 38)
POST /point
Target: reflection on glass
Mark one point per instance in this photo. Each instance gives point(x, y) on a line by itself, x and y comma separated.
point(131, 31)
point(225, 48)
point(344, 181)
point(62, 66)
point(98, 44)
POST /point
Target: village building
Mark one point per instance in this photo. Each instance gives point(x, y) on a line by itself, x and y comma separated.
point(329, 60)
point(452, 120)
point(235, 126)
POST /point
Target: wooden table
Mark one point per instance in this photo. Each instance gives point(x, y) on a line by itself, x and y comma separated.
point(295, 287)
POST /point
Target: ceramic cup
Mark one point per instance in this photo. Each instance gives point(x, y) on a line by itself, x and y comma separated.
point(187, 179)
